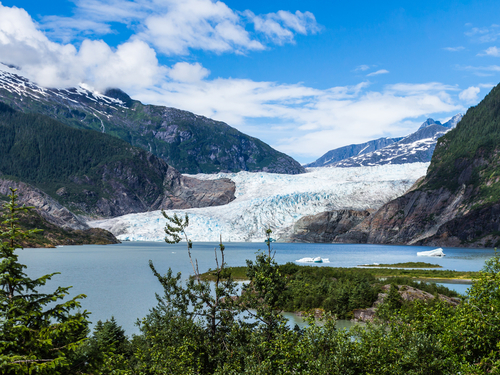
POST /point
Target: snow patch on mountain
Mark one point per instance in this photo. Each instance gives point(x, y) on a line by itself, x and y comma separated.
point(276, 201)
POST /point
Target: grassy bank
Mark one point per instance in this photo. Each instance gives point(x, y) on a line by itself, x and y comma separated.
point(404, 265)
point(239, 273)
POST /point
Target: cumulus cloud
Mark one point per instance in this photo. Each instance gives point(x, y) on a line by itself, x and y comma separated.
point(175, 27)
point(378, 72)
point(132, 64)
point(469, 95)
point(186, 72)
point(492, 51)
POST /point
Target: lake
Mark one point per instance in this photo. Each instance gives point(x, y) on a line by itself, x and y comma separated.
point(118, 281)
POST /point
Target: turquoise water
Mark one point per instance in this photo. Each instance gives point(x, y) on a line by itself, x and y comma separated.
point(118, 281)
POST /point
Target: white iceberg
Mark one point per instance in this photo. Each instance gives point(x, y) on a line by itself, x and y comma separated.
point(431, 253)
point(313, 260)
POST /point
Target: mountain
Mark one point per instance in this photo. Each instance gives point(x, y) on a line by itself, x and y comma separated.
point(277, 201)
point(458, 202)
point(338, 154)
point(92, 174)
point(416, 147)
point(188, 142)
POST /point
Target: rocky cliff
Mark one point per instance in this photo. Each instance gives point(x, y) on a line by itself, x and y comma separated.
point(325, 226)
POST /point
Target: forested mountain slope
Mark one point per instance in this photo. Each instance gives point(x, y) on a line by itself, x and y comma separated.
point(95, 174)
point(188, 142)
point(458, 201)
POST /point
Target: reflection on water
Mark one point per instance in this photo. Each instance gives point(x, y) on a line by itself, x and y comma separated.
point(118, 281)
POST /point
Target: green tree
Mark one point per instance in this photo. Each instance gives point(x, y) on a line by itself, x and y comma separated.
point(192, 326)
point(37, 334)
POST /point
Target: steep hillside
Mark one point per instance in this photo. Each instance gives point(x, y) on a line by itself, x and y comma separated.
point(188, 142)
point(95, 174)
point(458, 202)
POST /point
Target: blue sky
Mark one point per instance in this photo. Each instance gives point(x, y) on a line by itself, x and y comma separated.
point(303, 77)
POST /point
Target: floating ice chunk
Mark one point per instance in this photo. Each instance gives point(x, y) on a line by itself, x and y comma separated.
point(313, 260)
point(432, 253)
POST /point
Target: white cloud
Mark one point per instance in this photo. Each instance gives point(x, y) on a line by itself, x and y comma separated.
point(185, 72)
point(174, 27)
point(469, 95)
point(132, 64)
point(454, 49)
point(378, 72)
point(492, 51)
point(484, 34)
point(280, 26)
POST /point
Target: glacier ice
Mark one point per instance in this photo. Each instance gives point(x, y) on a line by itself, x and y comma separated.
point(276, 201)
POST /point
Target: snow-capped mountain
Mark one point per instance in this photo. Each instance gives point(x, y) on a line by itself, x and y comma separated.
point(416, 147)
point(277, 201)
point(345, 152)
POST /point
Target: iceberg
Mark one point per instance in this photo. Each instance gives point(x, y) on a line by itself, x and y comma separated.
point(431, 253)
point(313, 260)
point(276, 201)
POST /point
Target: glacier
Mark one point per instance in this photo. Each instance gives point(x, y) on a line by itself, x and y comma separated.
point(276, 201)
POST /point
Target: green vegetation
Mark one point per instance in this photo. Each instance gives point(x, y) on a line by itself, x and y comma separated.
point(51, 156)
point(476, 137)
point(38, 335)
point(404, 265)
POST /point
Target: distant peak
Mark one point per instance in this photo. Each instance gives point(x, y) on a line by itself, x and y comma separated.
point(451, 123)
point(120, 95)
point(429, 122)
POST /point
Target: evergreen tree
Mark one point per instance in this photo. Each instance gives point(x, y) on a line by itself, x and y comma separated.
point(37, 334)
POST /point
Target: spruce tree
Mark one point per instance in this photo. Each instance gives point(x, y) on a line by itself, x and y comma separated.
point(38, 335)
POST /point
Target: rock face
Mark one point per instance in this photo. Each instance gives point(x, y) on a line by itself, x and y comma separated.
point(47, 207)
point(458, 201)
point(133, 190)
point(325, 226)
point(190, 143)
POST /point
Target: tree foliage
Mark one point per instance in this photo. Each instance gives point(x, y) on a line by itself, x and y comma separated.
point(38, 334)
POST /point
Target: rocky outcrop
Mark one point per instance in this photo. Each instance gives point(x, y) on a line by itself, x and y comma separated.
point(128, 189)
point(325, 226)
point(48, 208)
point(407, 293)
